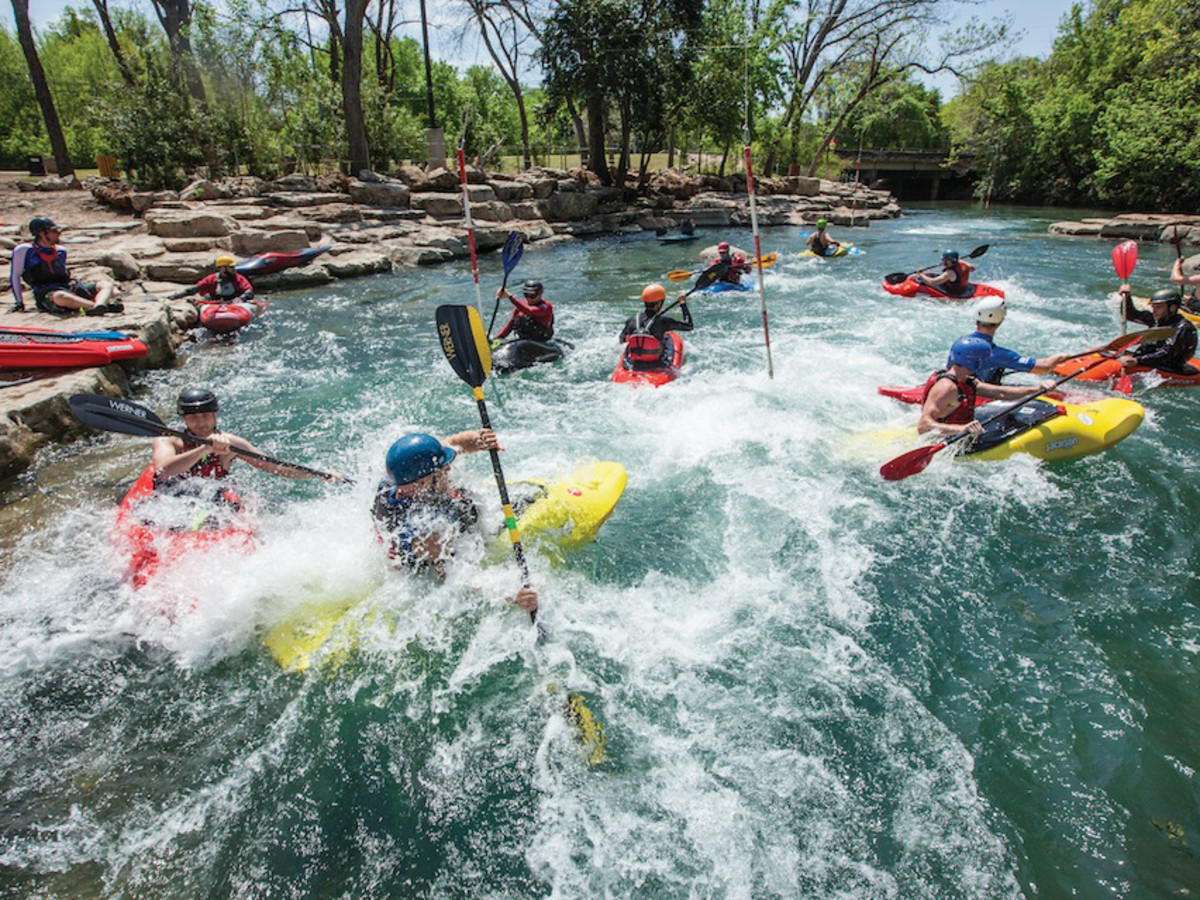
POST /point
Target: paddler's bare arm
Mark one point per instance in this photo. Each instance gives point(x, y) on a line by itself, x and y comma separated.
point(1009, 391)
point(474, 441)
point(170, 459)
point(942, 399)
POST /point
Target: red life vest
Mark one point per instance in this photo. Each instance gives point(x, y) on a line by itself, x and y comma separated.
point(965, 411)
point(643, 348)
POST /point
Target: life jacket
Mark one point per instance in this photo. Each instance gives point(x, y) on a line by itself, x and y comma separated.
point(44, 266)
point(642, 347)
point(965, 411)
point(961, 276)
point(227, 288)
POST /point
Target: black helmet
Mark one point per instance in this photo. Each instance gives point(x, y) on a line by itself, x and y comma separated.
point(197, 400)
point(950, 256)
point(38, 224)
point(533, 289)
point(1167, 295)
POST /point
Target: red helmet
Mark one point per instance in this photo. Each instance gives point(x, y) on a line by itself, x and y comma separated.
point(723, 247)
point(654, 293)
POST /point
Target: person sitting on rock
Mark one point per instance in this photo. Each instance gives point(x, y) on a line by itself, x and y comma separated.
point(225, 285)
point(736, 263)
point(532, 318)
point(1190, 303)
point(42, 265)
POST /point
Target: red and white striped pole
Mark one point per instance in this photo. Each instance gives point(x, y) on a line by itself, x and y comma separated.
point(762, 289)
point(466, 202)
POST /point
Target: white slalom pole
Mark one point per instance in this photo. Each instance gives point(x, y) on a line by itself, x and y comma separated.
point(466, 202)
point(762, 288)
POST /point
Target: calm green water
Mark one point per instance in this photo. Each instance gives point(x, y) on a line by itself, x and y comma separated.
point(980, 682)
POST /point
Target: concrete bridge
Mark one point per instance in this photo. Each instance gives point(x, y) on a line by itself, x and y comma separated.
point(911, 174)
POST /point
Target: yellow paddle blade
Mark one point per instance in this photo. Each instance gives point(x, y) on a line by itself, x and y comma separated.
point(679, 275)
point(588, 729)
point(768, 259)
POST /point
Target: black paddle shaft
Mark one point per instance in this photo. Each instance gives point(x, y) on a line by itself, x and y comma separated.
point(498, 471)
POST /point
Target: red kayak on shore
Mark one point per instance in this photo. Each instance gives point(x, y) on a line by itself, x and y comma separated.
point(152, 544)
point(269, 263)
point(910, 287)
point(657, 376)
point(222, 318)
point(35, 348)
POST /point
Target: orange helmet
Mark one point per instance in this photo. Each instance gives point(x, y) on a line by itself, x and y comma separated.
point(654, 293)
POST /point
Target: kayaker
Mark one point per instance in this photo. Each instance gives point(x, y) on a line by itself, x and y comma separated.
point(178, 459)
point(948, 403)
point(643, 333)
point(989, 313)
point(225, 284)
point(419, 514)
point(42, 265)
point(820, 242)
point(687, 226)
point(736, 264)
point(1175, 353)
point(954, 279)
point(1191, 303)
point(532, 318)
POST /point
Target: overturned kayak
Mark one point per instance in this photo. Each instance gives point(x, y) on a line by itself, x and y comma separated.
point(222, 318)
point(628, 372)
point(911, 288)
point(179, 527)
point(33, 348)
point(554, 515)
point(523, 353)
point(1046, 430)
point(1110, 371)
point(269, 263)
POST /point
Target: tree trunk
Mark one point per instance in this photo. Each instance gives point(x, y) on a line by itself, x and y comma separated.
point(352, 45)
point(724, 159)
point(42, 89)
point(113, 44)
point(671, 148)
point(176, 19)
point(581, 138)
point(526, 149)
point(597, 161)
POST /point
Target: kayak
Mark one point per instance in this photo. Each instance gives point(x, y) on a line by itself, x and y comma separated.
point(1110, 370)
point(842, 250)
point(222, 318)
point(719, 287)
point(32, 348)
point(625, 373)
point(677, 238)
point(523, 353)
point(269, 263)
point(1050, 431)
point(914, 394)
point(555, 515)
point(200, 525)
point(910, 288)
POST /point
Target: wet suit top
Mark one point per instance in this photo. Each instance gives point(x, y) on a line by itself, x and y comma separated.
point(1002, 360)
point(1173, 354)
point(533, 321)
point(402, 522)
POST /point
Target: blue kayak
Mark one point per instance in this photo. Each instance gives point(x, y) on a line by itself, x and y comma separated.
point(721, 287)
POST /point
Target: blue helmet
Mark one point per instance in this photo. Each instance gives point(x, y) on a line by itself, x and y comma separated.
point(416, 455)
point(950, 256)
point(970, 353)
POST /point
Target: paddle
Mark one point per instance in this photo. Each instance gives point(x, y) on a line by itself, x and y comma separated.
point(125, 417)
point(1149, 335)
point(708, 277)
point(917, 460)
point(1124, 258)
point(465, 344)
point(901, 277)
point(767, 260)
point(514, 249)
point(69, 336)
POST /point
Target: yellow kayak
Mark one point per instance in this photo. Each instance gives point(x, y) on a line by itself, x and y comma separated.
point(558, 515)
point(1050, 431)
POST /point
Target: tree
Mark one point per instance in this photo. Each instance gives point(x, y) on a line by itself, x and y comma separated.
point(114, 44)
point(41, 89)
point(176, 19)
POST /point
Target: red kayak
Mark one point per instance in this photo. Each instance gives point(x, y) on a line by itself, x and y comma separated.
point(35, 348)
point(222, 318)
point(1110, 370)
point(269, 263)
point(151, 544)
point(657, 376)
point(914, 394)
point(910, 288)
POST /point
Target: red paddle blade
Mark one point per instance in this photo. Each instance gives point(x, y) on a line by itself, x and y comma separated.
point(909, 463)
point(1124, 384)
point(1124, 257)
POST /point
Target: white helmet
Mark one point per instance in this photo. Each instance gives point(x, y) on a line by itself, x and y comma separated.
point(990, 310)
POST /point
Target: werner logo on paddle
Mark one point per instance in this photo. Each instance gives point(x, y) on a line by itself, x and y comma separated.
point(447, 341)
point(127, 409)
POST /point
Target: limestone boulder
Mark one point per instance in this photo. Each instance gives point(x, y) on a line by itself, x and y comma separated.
point(242, 213)
point(123, 266)
point(531, 209)
point(1076, 229)
point(542, 184)
point(676, 184)
point(512, 191)
point(495, 211)
point(1138, 230)
point(203, 189)
point(144, 200)
point(334, 213)
point(442, 179)
point(437, 205)
point(414, 177)
point(299, 199)
point(480, 193)
point(354, 265)
point(188, 223)
point(295, 182)
point(379, 193)
point(570, 207)
point(290, 279)
point(191, 245)
point(250, 241)
point(411, 256)
point(113, 193)
point(179, 269)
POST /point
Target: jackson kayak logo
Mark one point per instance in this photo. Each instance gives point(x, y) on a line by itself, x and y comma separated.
point(126, 409)
point(1064, 444)
point(447, 341)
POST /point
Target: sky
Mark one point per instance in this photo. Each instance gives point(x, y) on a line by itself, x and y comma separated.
point(1035, 20)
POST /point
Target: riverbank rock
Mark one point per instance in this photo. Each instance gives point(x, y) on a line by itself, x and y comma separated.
point(1159, 227)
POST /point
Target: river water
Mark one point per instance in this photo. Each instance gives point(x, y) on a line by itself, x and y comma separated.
point(980, 682)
